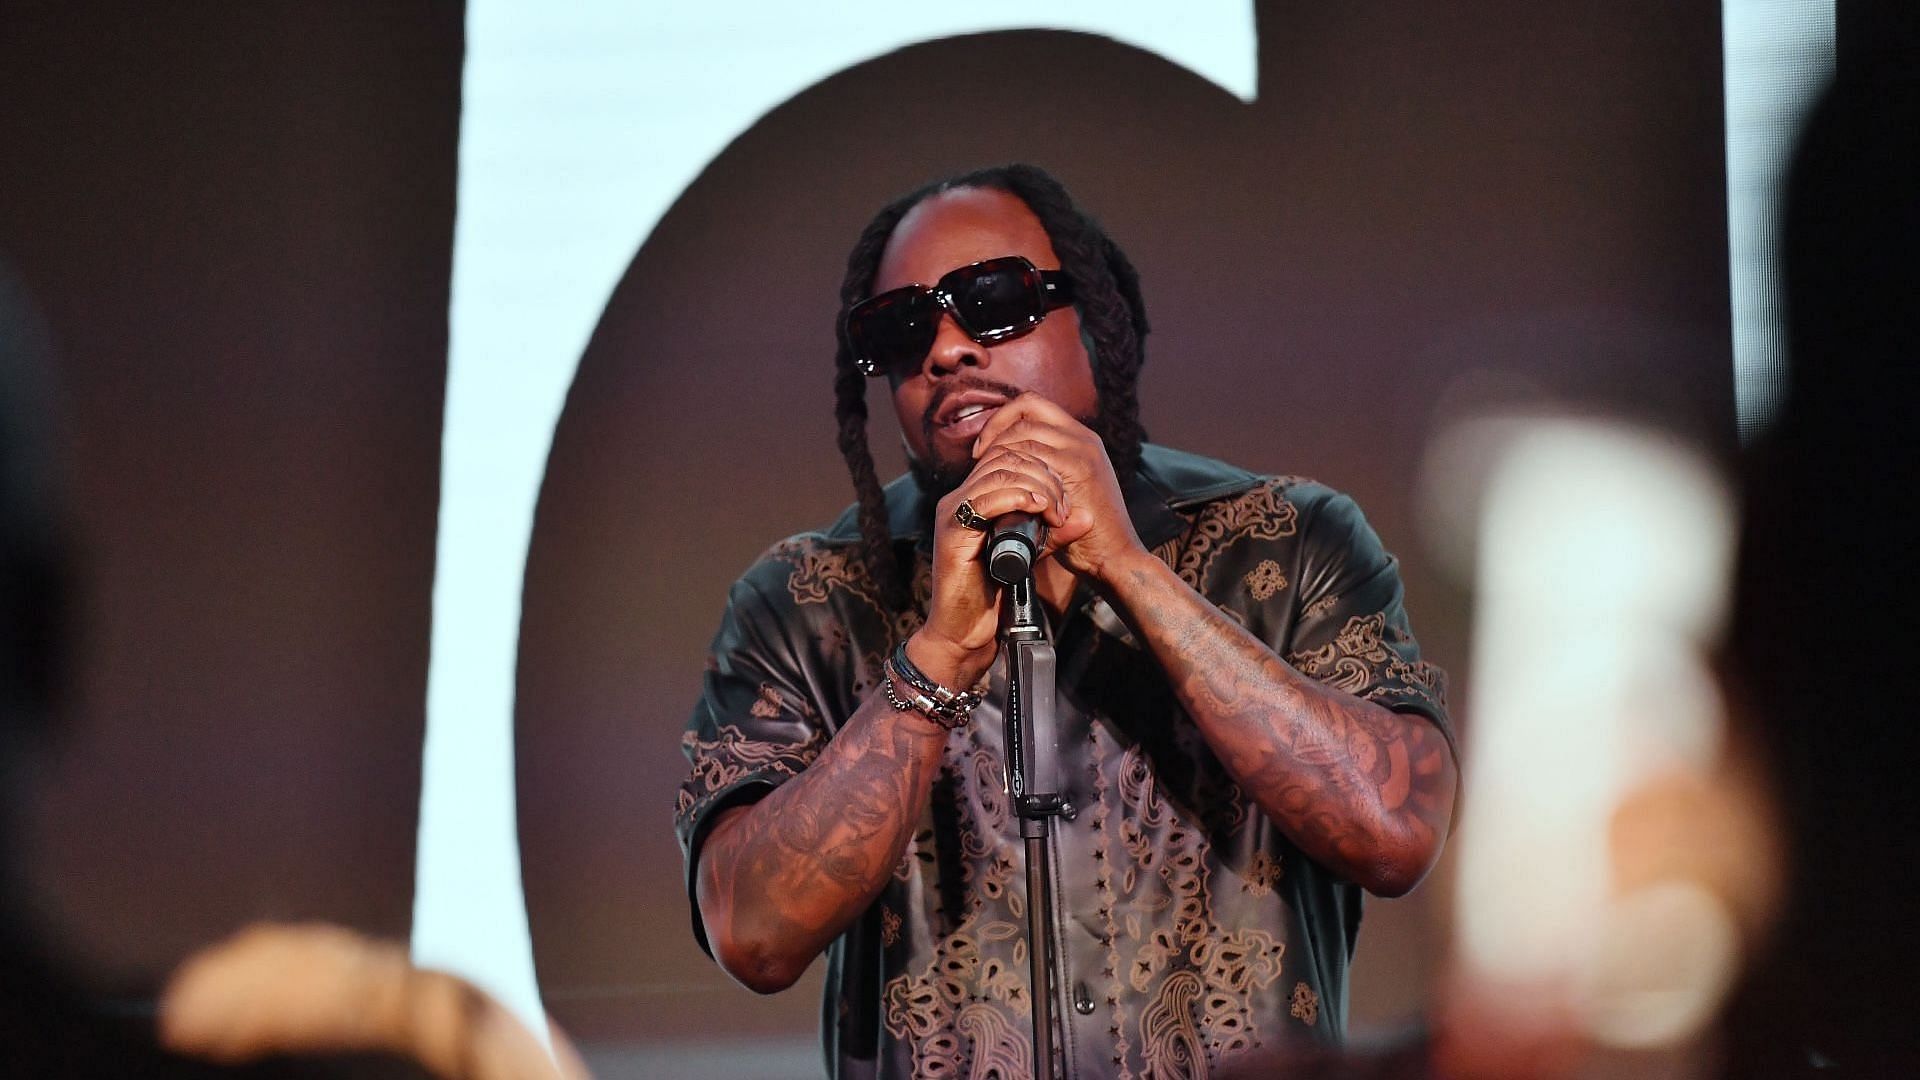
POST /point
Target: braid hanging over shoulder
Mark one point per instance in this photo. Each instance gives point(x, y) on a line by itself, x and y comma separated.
point(1113, 317)
point(850, 411)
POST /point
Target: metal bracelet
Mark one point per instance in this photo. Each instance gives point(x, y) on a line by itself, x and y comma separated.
point(948, 714)
point(915, 678)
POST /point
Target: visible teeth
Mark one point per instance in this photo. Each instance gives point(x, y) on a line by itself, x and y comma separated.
point(968, 411)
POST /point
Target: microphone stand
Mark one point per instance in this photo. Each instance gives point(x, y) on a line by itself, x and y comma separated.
point(1033, 784)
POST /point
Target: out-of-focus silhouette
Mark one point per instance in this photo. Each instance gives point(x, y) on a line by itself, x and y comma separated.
point(309, 1001)
point(1827, 614)
point(1820, 655)
point(48, 1023)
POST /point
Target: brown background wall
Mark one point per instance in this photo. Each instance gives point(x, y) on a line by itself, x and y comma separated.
point(238, 219)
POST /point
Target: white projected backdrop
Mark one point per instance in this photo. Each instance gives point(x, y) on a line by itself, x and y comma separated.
point(580, 125)
point(1778, 54)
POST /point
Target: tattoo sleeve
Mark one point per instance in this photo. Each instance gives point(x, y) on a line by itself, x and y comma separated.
point(780, 879)
point(1365, 791)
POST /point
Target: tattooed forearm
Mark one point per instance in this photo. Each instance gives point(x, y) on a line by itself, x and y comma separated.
point(778, 880)
point(1363, 790)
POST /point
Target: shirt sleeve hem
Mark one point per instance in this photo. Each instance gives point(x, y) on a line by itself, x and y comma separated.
point(700, 820)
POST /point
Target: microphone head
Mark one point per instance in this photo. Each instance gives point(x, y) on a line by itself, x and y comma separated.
point(1010, 559)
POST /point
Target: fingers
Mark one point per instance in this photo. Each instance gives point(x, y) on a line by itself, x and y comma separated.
point(1005, 466)
point(1003, 493)
point(1035, 428)
point(1033, 418)
point(1057, 460)
point(962, 607)
point(1062, 473)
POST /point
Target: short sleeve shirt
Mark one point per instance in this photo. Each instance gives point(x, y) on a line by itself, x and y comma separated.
point(1189, 927)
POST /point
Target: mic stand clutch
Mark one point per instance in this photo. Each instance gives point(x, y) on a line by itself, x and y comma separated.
point(1033, 785)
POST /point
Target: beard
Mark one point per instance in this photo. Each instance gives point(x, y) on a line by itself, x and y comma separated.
point(937, 480)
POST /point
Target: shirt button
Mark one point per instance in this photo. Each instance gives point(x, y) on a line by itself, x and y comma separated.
point(1082, 1001)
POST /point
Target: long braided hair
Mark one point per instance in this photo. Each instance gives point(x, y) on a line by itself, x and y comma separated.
point(1112, 316)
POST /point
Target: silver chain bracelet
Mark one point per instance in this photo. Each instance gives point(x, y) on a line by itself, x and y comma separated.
point(948, 708)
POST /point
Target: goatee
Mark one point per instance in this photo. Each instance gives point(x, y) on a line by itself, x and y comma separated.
point(936, 480)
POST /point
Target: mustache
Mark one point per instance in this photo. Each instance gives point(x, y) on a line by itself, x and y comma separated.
point(960, 384)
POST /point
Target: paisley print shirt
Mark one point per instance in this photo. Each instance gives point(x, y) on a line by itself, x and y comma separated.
point(1189, 928)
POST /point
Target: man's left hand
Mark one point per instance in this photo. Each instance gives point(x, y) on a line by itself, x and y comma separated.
point(1098, 536)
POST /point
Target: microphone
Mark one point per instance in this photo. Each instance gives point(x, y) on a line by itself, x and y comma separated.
point(1011, 546)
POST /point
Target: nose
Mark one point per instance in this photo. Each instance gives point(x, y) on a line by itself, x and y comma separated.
point(952, 350)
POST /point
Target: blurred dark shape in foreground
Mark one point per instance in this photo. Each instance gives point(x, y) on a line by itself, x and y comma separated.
point(1826, 630)
point(48, 1024)
point(281, 1002)
point(1824, 650)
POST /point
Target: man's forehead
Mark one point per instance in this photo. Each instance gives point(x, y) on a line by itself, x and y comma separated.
point(954, 228)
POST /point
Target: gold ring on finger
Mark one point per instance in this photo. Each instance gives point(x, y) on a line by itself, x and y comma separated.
point(968, 517)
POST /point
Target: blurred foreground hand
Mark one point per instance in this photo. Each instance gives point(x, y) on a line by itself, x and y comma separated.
point(318, 989)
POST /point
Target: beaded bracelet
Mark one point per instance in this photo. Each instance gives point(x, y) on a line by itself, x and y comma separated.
point(948, 708)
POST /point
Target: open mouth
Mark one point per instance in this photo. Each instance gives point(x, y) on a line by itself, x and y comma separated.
point(968, 412)
point(961, 411)
point(963, 419)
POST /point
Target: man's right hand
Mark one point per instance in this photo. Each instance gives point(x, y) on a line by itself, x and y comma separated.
point(779, 880)
point(957, 643)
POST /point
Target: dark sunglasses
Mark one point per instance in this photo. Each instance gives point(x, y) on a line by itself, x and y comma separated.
point(990, 301)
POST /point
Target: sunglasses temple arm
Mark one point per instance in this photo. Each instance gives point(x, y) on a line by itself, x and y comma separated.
point(1058, 286)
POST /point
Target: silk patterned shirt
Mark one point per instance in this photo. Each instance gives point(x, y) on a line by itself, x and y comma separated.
point(1189, 928)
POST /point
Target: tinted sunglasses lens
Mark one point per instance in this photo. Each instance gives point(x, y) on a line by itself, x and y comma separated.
point(995, 298)
point(893, 330)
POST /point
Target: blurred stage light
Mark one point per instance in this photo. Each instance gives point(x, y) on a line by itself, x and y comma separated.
point(1601, 576)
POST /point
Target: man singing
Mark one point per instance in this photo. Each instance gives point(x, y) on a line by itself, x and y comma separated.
point(1250, 737)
